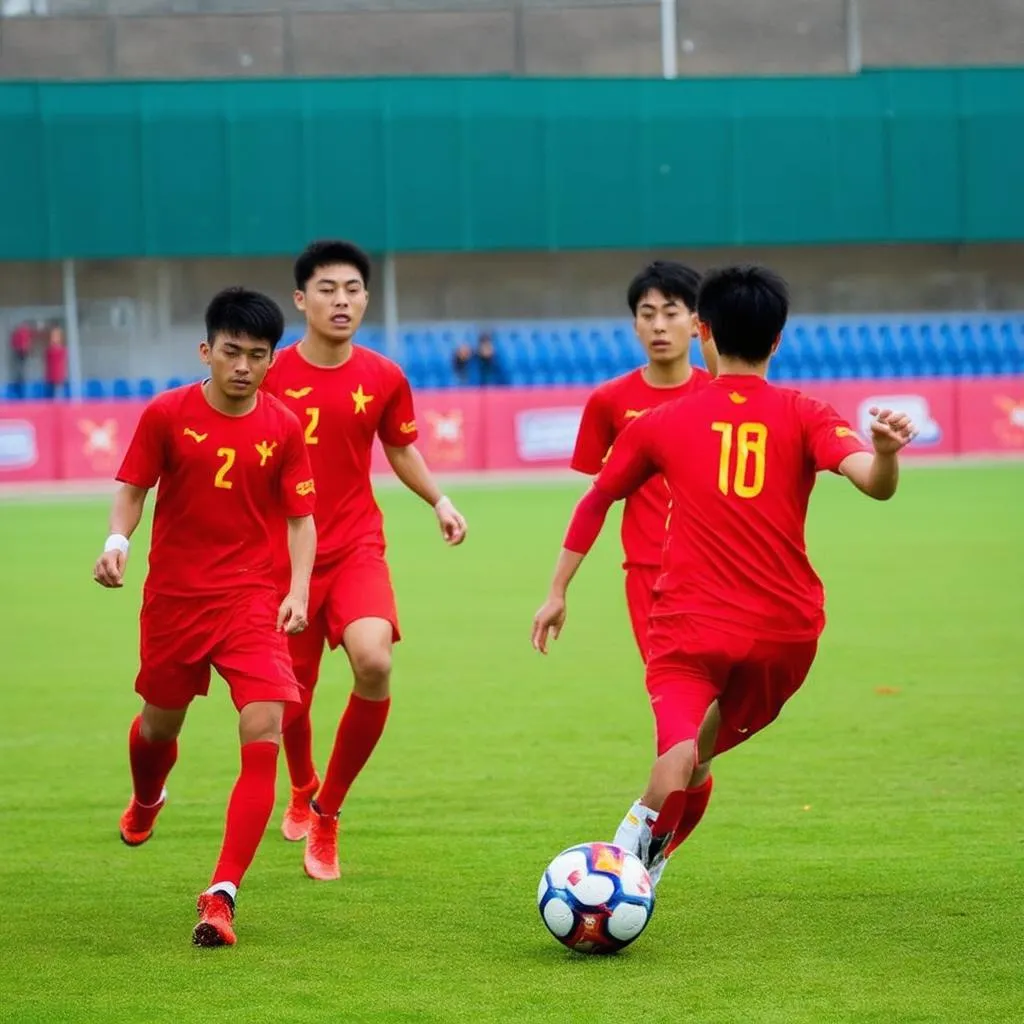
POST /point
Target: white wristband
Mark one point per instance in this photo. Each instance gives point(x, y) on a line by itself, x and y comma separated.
point(441, 501)
point(116, 542)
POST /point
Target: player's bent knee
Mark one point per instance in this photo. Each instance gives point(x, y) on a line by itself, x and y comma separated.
point(260, 722)
point(161, 725)
point(372, 671)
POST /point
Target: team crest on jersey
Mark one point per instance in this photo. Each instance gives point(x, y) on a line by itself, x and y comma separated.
point(304, 487)
point(264, 450)
point(297, 392)
point(360, 399)
point(847, 432)
point(198, 438)
point(408, 428)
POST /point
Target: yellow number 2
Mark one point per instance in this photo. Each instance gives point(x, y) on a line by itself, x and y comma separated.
point(314, 422)
point(750, 444)
point(221, 479)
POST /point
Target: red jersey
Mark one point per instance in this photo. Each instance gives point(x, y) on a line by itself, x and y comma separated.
point(740, 458)
point(221, 478)
point(342, 408)
point(609, 410)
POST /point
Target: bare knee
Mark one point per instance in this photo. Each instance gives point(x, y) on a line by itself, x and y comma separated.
point(371, 670)
point(161, 725)
point(260, 722)
point(368, 643)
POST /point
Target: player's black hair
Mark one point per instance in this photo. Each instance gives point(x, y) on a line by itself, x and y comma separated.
point(326, 253)
point(674, 281)
point(746, 308)
point(239, 312)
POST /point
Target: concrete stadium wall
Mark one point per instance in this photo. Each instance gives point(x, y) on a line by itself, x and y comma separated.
point(88, 39)
point(142, 317)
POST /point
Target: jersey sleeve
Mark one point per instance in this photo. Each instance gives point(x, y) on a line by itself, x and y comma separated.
point(397, 426)
point(829, 437)
point(145, 460)
point(631, 462)
point(296, 480)
point(594, 437)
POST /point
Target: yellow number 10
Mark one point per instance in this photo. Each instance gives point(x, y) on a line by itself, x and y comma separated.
point(750, 444)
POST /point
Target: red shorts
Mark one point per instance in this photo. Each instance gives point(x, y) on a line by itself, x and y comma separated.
point(180, 639)
point(356, 587)
point(691, 665)
point(640, 580)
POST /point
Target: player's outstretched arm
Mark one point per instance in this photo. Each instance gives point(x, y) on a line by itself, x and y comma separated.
point(411, 468)
point(292, 616)
point(584, 528)
point(877, 474)
point(125, 514)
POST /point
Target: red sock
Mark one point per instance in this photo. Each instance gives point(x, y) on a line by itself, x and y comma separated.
point(249, 810)
point(151, 763)
point(358, 732)
point(696, 804)
point(297, 739)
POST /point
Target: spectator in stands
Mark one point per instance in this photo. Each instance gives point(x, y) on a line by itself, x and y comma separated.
point(21, 348)
point(487, 358)
point(461, 363)
point(56, 363)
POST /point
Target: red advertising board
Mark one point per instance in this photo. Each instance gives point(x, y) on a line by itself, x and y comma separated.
point(518, 428)
point(931, 404)
point(29, 445)
point(451, 431)
point(532, 428)
point(94, 436)
point(991, 413)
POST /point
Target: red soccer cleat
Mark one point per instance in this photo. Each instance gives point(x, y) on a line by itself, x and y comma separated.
point(321, 859)
point(137, 820)
point(295, 825)
point(216, 915)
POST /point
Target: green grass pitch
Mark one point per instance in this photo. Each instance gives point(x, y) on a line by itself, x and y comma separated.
point(860, 862)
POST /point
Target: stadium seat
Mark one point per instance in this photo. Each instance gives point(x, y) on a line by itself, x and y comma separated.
point(832, 347)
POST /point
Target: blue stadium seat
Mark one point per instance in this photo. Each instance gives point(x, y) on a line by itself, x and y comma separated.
point(36, 390)
point(94, 388)
point(11, 392)
point(146, 388)
point(174, 382)
point(121, 388)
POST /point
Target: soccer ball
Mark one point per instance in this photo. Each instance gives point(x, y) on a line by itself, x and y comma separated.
point(596, 898)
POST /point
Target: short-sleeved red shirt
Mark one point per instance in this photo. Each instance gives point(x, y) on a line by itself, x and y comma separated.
point(609, 410)
point(740, 458)
point(342, 409)
point(222, 483)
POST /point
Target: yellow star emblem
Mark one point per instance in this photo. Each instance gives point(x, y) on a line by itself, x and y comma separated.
point(361, 399)
point(265, 450)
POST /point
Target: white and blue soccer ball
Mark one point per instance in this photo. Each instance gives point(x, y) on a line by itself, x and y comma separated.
point(596, 898)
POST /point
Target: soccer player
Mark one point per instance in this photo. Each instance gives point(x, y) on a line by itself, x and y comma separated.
point(223, 454)
point(738, 609)
point(662, 299)
point(345, 396)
